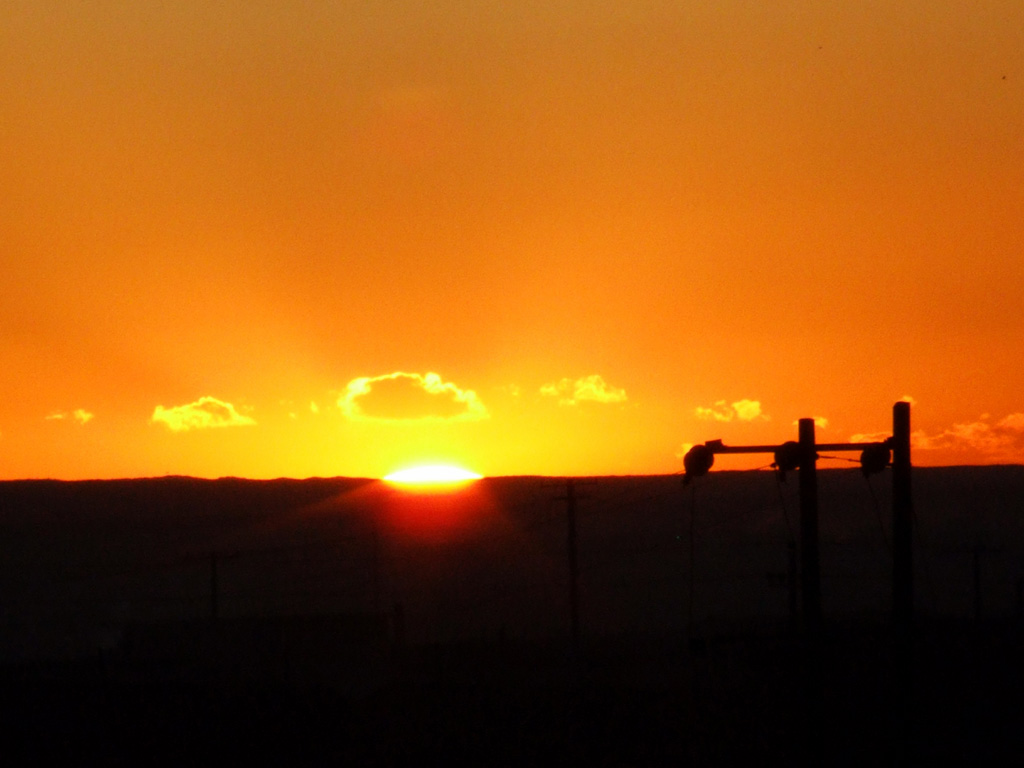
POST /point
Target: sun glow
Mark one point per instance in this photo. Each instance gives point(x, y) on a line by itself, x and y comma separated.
point(432, 474)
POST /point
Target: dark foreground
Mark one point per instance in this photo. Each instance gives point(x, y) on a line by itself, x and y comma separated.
point(197, 622)
point(634, 701)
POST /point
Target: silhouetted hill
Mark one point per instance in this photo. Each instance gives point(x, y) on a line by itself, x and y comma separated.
point(223, 591)
point(492, 558)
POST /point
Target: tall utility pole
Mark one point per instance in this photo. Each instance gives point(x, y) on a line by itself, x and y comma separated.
point(902, 518)
point(810, 562)
point(803, 456)
point(902, 582)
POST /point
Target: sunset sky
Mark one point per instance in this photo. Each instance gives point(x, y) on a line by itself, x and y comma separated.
point(302, 238)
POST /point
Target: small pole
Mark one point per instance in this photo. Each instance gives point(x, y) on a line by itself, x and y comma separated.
point(574, 597)
point(692, 563)
point(976, 573)
point(214, 587)
point(375, 558)
point(793, 584)
point(810, 571)
point(398, 613)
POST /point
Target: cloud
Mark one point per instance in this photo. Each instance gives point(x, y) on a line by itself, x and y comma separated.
point(683, 450)
point(819, 421)
point(721, 412)
point(1002, 438)
point(591, 388)
point(402, 396)
point(747, 410)
point(80, 415)
point(744, 410)
point(296, 411)
point(204, 413)
point(870, 437)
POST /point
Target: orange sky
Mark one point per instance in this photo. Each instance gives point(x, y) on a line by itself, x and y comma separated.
point(308, 238)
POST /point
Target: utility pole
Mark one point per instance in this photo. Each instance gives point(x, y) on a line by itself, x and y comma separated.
point(570, 499)
point(976, 573)
point(976, 553)
point(793, 584)
point(902, 583)
point(375, 564)
point(790, 579)
point(574, 571)
point(216, 558)
point(214, 588)
point(803, 456)
point(902, 518)
point(810, 561)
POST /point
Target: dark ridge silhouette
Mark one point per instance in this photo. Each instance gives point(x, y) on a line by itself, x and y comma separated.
point(353, 619)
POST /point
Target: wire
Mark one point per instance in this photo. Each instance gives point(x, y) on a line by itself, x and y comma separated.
point(921, 549)
point(840, 458)
point(878, 515)
point(693, 514)
point(785, 513)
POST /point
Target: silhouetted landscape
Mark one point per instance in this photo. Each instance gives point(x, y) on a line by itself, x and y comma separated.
point(352, 619)
point(574, 247)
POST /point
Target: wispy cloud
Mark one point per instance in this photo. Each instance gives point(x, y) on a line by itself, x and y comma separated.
point(79, 415)
point(591, 388)
point(870, 437)
point(296, 411)
point(204, 413)
point(401, 396)
point(744, 410)
point(1003, 438)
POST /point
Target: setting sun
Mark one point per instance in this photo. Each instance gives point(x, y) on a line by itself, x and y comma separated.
point(433, 474)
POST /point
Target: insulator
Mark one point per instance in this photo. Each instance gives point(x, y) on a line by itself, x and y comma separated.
point(874, 459)
point(787, 456)
point(698, 461)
